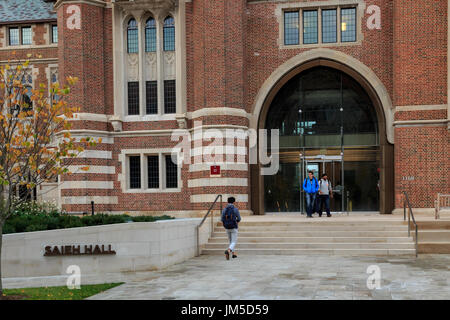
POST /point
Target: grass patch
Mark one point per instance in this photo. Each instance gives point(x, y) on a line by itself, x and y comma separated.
point(57, 293)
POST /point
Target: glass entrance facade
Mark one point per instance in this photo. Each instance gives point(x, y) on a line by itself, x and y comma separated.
point(327, 124)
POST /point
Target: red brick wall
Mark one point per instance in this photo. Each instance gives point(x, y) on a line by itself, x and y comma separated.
point(232, 48)
point(420, 78)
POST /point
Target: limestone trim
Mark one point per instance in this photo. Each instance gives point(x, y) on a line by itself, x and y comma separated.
point(336, 56)
point(88, 199)
point(209, 198)
point(74, 169)
point(218, 182)
point(415, 123)
point(225, 111)
point(99, 3)
point(104, 185)
point(360, 6)
point(421, 107)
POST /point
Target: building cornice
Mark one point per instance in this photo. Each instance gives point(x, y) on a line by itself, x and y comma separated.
point(99, 3)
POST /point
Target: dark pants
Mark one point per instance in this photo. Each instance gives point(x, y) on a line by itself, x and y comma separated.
point(310, 203)
point(324, 199)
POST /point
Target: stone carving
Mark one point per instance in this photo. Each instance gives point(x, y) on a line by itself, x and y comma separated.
point(133, 66)
point(116, 123)
point(169, 65)
point(151, 66)
point(182, 121)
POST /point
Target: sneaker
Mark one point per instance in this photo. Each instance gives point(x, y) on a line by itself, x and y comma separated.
point(227, 254)
point(309, 216)
point(234, 255)
point(328, 215)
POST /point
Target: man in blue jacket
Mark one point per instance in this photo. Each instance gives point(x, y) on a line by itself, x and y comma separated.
point(311, 186)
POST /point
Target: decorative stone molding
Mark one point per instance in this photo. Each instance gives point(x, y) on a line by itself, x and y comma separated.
point(116, 122)
point(158, 7)
point(133, 66)
point(181, 120)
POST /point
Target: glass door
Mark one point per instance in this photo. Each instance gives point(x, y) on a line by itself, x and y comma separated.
point(334, 168)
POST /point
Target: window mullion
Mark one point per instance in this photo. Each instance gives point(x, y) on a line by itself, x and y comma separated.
point(141, 77)
point(159, 68)
point(143, 172)
point(319, 25)
point(338, 19)
point(162, 169)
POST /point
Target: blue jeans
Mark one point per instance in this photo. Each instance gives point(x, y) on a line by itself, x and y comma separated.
point(324, 198)
point(310, 203)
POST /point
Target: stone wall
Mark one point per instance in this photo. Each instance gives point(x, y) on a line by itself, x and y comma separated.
point(139, 246)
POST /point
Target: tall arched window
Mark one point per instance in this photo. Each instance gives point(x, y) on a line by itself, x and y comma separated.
point(150, 35)
point(132, 37)
point(169, 34)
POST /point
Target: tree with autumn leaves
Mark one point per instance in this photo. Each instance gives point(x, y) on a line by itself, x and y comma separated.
point(35, 141)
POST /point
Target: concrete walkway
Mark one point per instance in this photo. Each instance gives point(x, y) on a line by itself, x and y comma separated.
point(291, 277)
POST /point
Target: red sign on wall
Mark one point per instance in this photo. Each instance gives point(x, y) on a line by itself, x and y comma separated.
point(215, 170)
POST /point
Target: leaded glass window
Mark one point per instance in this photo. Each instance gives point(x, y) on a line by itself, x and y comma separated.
point(14, 36)
point(329, 26)
point(135, 172)
point(348, 24)
point(153, 172)
point(150, 35)
point(26, 35)
point(310, 26)
point(169, 34)
point(151, 96)
point(133, 98)
point(132, 37)
point(54, 33)
point(291, 34)
point(169, 96)
point(171, 172)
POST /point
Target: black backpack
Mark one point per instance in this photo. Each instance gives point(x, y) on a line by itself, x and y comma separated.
point(230, 218)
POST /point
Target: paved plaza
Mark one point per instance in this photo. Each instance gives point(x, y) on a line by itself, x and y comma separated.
point(291, 277)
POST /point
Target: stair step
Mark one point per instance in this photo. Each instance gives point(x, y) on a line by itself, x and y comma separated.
point(316, 233)
point(311, 245)
point(317, 228)
point(358, 252)
point(246, 239)
point(434, 235)
point(318, 222)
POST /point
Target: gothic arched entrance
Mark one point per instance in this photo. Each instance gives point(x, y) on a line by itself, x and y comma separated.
point(330, 121)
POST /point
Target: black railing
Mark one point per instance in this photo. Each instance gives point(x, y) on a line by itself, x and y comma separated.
point(210, 210)
point(410, 215)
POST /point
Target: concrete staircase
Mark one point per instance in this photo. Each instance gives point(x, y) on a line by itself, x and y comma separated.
point(434, 236)
point(316, 236)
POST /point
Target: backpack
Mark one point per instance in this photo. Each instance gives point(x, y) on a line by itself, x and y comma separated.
point(229, 219)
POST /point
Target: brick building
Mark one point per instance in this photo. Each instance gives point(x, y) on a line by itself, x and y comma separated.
point(356, 88)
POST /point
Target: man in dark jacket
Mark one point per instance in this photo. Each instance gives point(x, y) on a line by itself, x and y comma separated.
point(310, 186)
point(230, 219)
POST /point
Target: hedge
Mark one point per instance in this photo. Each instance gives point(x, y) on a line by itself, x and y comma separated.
point(37, 217)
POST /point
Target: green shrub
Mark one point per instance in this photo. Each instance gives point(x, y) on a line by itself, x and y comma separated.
point(33, 216)
point(150, 218)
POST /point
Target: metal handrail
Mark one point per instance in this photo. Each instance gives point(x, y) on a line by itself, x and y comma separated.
point(410, 214)
point(212, 222)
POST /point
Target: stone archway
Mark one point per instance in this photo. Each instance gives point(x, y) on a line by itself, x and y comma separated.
point(371, 84)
